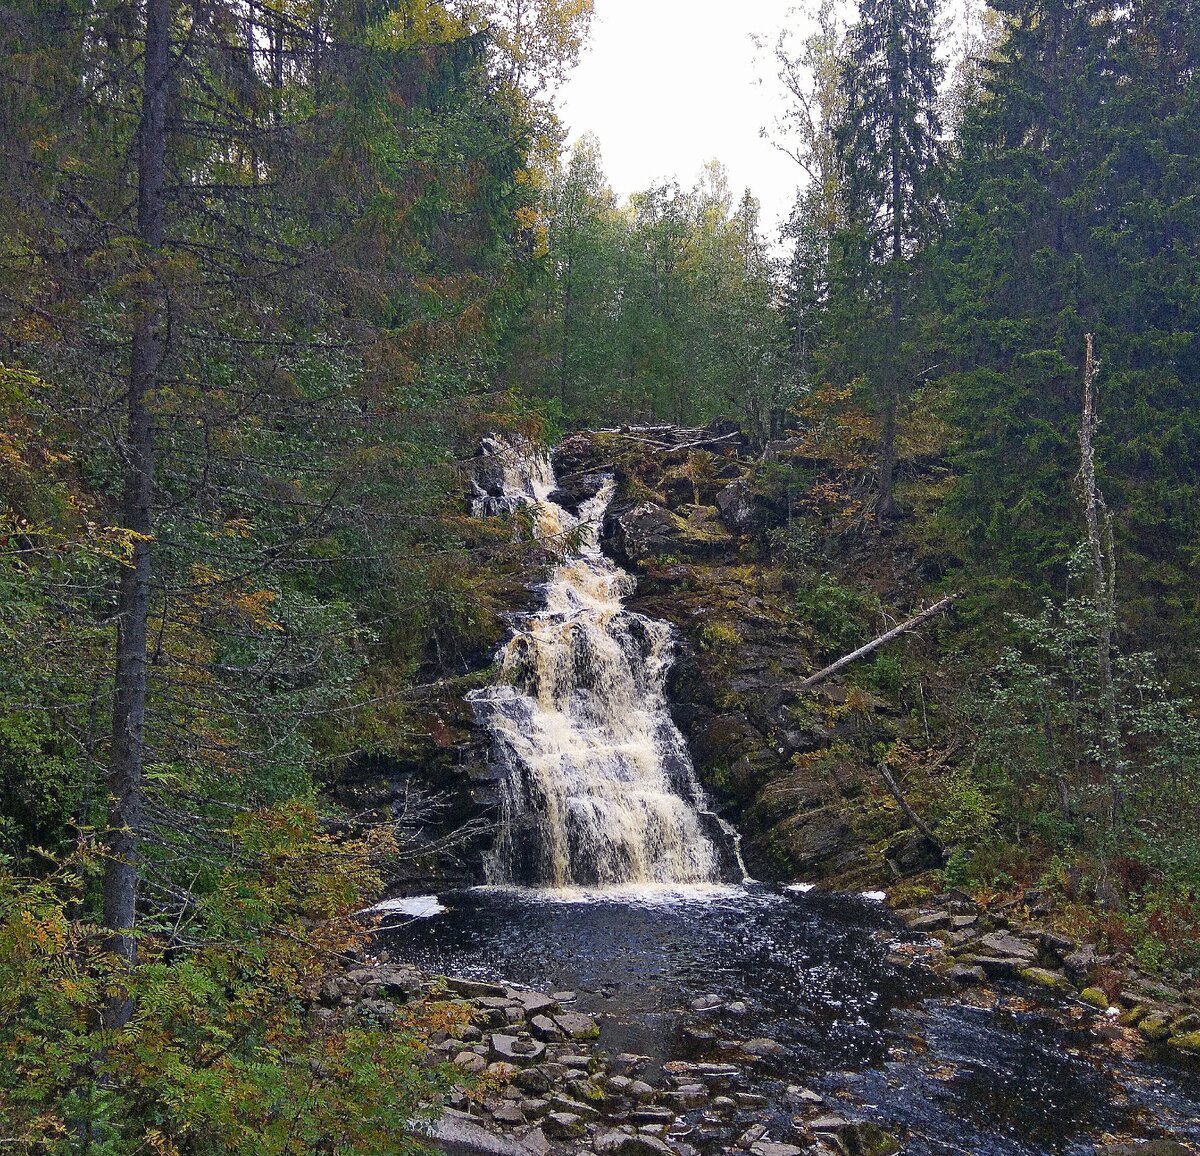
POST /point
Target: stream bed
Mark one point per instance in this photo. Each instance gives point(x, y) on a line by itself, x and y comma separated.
point(829, 978)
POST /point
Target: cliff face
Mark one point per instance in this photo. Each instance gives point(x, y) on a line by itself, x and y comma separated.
point(696, 519)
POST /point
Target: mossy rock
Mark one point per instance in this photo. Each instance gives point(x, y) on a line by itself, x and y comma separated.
point(1048, 980)
point(1094, 997)
point(1155, 1026)
point(1186, 1042)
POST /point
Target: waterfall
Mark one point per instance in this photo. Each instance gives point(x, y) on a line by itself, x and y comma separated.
point(598, 787)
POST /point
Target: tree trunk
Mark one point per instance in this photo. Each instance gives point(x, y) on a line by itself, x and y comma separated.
point(125, 782)
point(1099, 532)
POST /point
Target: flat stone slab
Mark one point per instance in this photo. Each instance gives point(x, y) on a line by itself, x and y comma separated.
point(998, 943)
point(516, 1050)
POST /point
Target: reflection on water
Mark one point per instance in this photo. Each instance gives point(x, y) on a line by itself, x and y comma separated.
point(814, 973)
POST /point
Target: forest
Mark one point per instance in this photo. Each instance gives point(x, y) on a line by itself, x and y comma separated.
point(269, 272)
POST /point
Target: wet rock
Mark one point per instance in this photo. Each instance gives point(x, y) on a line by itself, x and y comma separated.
point(930, 921)
point(855, 1138)
point(474, 988)
point(687, 1096)
point(967, 974)
point(626, 1062)
point(764, 1047)
point(704, 1003)
point(774, 1148)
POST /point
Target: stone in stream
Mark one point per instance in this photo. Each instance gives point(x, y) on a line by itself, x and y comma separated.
point(1149, 1148)
point(706, 1003)
point(964, 973)
point(774, 1148)
point(764, 1047)
point(473, 988)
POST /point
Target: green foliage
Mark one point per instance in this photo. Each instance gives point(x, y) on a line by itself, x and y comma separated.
point(220, 1056)
point(837, 615)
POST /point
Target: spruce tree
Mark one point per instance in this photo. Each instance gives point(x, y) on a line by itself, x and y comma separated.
point(889, 143)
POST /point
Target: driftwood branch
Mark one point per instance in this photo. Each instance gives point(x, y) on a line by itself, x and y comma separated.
point(876, 643)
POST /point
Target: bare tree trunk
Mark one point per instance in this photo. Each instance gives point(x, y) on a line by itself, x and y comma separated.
point(125, 781)
point(1099, 532)
point(876, 643)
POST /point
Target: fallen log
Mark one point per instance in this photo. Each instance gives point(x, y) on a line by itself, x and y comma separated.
point(876, 643)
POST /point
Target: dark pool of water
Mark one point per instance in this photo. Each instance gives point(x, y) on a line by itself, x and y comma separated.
point(877, 1038)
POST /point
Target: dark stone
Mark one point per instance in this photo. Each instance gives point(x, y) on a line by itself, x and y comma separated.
point(912, 852)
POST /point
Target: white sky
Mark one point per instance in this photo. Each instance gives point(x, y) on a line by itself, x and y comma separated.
point(667, 85)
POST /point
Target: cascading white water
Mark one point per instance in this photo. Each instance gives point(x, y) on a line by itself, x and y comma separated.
point(599, 789)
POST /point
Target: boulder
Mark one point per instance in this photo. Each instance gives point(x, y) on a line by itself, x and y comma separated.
point(563, 1125)
point(577, 1026)
point(737, 507)
point(1045, 978)
point(648, 531)
point(1002, 944)
point(516, 1050)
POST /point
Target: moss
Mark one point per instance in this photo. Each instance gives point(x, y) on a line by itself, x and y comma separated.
point(1094, 997)
point(1187, 1042)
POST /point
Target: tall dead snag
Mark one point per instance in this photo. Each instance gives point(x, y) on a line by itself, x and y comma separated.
point(125, 777)
point(1100, 544)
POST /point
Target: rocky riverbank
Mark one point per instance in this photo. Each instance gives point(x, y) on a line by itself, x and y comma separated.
point(533, 1076)
point(974, 944)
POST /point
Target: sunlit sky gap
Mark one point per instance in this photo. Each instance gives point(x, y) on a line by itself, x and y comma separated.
point(668, 85)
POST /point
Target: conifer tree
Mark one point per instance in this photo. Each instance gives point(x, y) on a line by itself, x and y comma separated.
point(889, 143)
